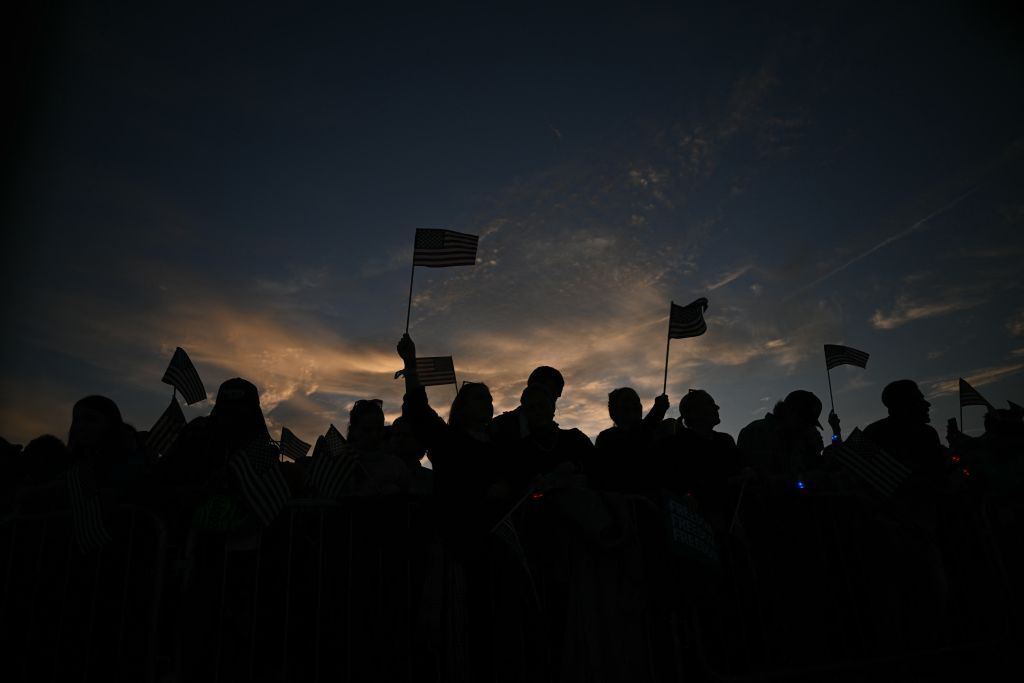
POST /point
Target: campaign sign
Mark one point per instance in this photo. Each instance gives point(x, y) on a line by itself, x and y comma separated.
point(690, 536)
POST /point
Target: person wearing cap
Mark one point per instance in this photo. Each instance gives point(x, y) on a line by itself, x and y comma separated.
point(787, 441)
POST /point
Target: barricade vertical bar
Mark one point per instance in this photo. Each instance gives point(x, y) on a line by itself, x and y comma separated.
point(854, 611)
point(348, 602)
point(92, 610)
point(63, 602)
point(408, 593)
point(220, 610)
point(10, 563)
point(35, 590)
point(124, 592)
point(287, 594)
point(319, 597)
point(255, 604)
point(158, 585)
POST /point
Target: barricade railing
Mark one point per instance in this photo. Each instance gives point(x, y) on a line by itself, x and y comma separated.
point(84, 616)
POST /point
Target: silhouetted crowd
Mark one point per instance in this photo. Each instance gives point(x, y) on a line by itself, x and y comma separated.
point(483, 468)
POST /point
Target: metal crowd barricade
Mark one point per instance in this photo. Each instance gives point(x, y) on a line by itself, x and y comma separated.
point(68, 615)
point(329, 591)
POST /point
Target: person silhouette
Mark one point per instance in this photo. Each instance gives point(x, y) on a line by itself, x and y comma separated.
point(624, 457)
point(514, 425)
point(787, 441)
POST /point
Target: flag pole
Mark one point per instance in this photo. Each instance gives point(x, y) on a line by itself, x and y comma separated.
point(828, 373)
point(408, 310)
point(668, 342)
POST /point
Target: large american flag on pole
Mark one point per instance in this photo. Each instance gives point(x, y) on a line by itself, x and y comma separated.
point(871, 463)
point(687, 321)
point(443, 248)
point(969, 396)
point(836, 355)
point(434, 370)
point(182, 375)
point(162, 434)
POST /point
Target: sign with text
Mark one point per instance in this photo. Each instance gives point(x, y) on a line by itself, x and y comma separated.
point(689, 535)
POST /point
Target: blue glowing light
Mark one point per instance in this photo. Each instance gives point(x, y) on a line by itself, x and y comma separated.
point(800, 485)
point(835, 437)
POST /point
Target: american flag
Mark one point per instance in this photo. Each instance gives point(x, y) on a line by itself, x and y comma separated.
point(434, 370)
point(969, 396)
point(443, 248)
point(334, 441)
point(182, 375)
point(162, 434)
point(292, 446)
point(86, 514)
point(871, 463)
point(329, 471)
point(260, 480)
point(836, 355)
point(687, 321)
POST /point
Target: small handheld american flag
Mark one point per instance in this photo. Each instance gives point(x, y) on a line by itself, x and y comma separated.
point(182, 375)
point(836, 355)
point(443, 248)
point(687, 321)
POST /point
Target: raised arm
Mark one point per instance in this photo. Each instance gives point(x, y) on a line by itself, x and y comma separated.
point(425, 422)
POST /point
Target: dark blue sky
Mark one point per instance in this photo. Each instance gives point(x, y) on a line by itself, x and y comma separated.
point(246, 183)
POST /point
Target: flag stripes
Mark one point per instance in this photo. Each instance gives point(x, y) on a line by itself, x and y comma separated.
point(836, 355)
point(687, 321)
point(434, 370)
point(334, 441)
point(969, 396)
point(182, 375)
point(329, 472)
point(292, 446)
point(260, 480)
point(443, 248)
point(86, 514)
point(870, 463)
point(166, 429)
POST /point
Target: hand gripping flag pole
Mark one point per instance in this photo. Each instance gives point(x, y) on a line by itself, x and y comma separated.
point(836, 355)
point(439, 249)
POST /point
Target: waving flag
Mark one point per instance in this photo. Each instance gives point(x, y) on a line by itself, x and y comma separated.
point(870, 463)
point(260, 480)
point(329, 471)
point(165, 431)
point(434, 370)
point(86, 514)
point(836, 355)
point(182, 375)
point(687, 321)
point(292, 446)
point(969, 396)
point(334, 441)
point(443, 248)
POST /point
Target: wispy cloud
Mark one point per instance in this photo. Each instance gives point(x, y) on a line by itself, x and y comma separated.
point(1015, 325)
point(977, 378)
point(728, 277)
point(907, 310)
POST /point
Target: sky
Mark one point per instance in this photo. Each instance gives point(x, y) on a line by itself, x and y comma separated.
point(246, 184)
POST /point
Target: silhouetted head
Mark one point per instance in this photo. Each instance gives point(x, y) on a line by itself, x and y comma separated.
point(45, 458)
point(96, 427)
point(404, 443)
point(538, 406)
point(237, 419)
point(624, 408)
point(799, 409)
point(549, 378)
point(698, 410)
point(473, 407)
point(905, 402)
point(366, 423)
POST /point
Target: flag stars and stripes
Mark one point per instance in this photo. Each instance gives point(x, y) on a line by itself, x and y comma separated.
point(181, 374)
point(435, 370)
point(878, 469)
point(687, 321)
point(836, 355)
point(443, 248)
point(969, 396)
point(163, 434)
point(293, 447)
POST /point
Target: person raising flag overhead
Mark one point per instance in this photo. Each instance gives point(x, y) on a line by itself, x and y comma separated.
point(440, 249)
point(433, 371)
point(684, 321)
point(182, 375)
point(836, 355)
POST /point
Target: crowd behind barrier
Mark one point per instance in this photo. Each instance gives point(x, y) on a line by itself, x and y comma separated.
point(661, 551)
point(365, 589)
